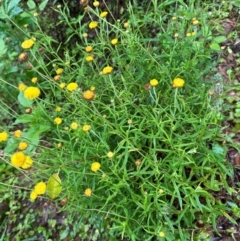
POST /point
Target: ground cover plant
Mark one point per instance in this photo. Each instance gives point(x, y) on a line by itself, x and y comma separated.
point(118, 123)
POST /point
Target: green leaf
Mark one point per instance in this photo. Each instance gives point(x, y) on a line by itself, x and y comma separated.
point(31, 4)
point(12, 4)
point(54, 186)
point(3, 48)
point(11, 146)
point(217, 149)
point(215, 47)
point(220, 39)
point(236, 3)
point(23, 101)
point(43, 5)
point(23, 119)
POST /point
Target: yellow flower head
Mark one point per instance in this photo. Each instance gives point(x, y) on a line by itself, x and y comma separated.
point(85, 35)
point(28, 163)
point(89, 49)
point(17, 133)
point(89, 58)
point(3, 136)
point(93, 24)
point(22, 145)
point(114, 41)
point(153, 82)
point(28, 111)
point(103, 14)
point(59, 71)
point(174, 18)
point(107, 70)
point(59, 145)
point(195, 22)
point(22, 87)
point(57, 121)
point(95, 166)
point(22, 57)
point(62, 85)
point(57, 77)
point(86, 128)
point(40, 188)
point(88, 95)
point(32, 93)
point(188, 34)
point(162, 234)
point(18, 159)
point(126, 25)
point(34, 80)
point(33, 195)
point(92, 88)
point(96, 4)
point(72, 86)
point(74, 126)
point(58, 109)
point(178, 83)
point(27, 44)
point(88, 192)
point(110, 154)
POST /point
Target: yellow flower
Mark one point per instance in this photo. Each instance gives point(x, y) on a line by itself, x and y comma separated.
point(88, 95)
point(176, 35)
point(88, 192)
point(93, 24)
point(85, 35)
point(28, 111)
point(193, 33)
point(59, 71)
point(35, 14)
point(74, 126)
point(178, 83)
point(110, 154)
point(32, 93)
point(162, 234)
point(28, 163)
point(89, 58)
point(86, 128)
point(3, 136)
point(89, 49)
point(72, 86)
point(22, 57)
point(18, 159)
point(174, 18)
point(153, 82)
point(114, 41)
point(188, 34)
point(58, 109)
point(57, 121)
point(96, 4)
point(22, 145)
point(34, 80)
point(195, 22)
point(92, 88)
point(27, 44)
point(95, 166)
point(107, 70)
point(126, 25)
point(62, 85)
point(160, 191)
point(17, 133)
point(33, 195)
point(22, 87)
point(103, 14)
point(57, 77)
point(40, 188)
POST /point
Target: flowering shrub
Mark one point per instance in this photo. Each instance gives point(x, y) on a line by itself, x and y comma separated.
point(128, 127)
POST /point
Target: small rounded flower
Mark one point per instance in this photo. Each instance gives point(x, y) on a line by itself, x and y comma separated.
point(62, 85)
point(72, 86)
point(40, 188)
point(22, 57)
point(193, 33)
point(74, 125)
point(86, 128)
point(93, 24)
point(92, 88)
point(34, 80)
point(85, 35)
point(89, 58)
point(114, 41)
point(89, 49)
point(153, 82)
point(195, 22)
point(33, 195)
point(107, 70)
point(27, 44)
point(28, 111)
point(103, 14)
point(138, 162)
point(176, 35)
point(88, 192)
point(3, 136)
point(110, 154)
point(126, 25)
point(32, 93)
point(17, 133)
point(59, 71)
point(88, 95)
point(162, 234)
point(96, 4)
point(95, 166)
point(58, 109)
point(28, 163)
point(188, 34)
point(58, 121)
point(57, 77)
point(160, 191)
point(178, 83)
point(18, 159)
point(174, 18)
point(22, 145)
point(22, 87)
point(35, 14)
